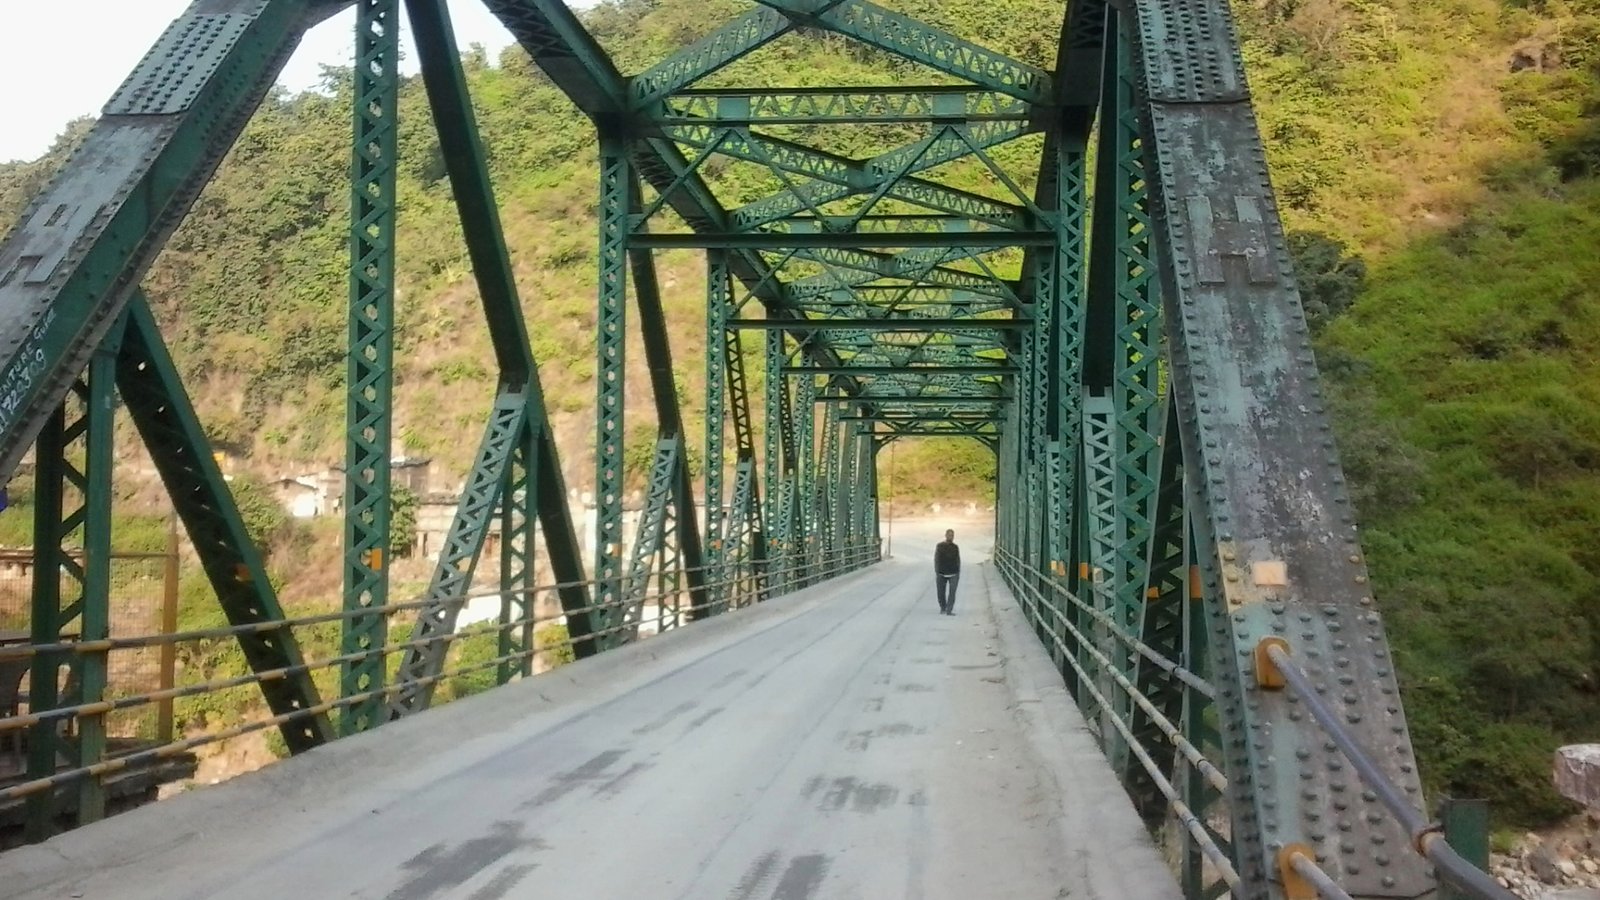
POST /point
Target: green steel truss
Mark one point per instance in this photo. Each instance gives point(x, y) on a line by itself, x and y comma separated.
point(370, 374)
point(1146, 385)
point(73, 495)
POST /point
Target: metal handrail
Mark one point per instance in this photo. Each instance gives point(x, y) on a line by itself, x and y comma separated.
point(1427, 838)
point(1171, 667)
point(103, 645)
point(844, 559)
point(1171, 731)
point(1181, 811)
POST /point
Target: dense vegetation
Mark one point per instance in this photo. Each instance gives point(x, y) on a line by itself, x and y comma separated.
point(1436, 162)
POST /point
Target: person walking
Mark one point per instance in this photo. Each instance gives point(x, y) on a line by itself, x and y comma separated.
point(946, 573)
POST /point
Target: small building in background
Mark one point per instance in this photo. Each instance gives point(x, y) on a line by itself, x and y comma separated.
point(299, 496)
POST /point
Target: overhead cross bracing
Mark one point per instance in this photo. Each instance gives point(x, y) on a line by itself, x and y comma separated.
point(883, 262)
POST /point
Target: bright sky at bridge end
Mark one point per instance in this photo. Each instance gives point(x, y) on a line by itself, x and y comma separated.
point(63, 59)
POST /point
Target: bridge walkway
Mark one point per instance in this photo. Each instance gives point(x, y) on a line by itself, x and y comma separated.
point(843, 742)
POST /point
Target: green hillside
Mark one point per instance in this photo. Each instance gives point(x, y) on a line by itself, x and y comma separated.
point(1436, 162)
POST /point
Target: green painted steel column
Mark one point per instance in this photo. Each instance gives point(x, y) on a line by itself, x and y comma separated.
point(94, 618)
point(369, 371)
point(1162, 626)
point(824, 474)
point(654, 336)
point(1135, 388)
point(44, 678)
point(616, 186)
point(846, 498)
point(1066, 415)
point(803, 536)
point(752, 528)
point(774, 462)
point(72, 593)
point(519, 505)
point(719, 296)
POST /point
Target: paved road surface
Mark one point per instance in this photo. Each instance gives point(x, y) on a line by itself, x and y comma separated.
point(847, 742)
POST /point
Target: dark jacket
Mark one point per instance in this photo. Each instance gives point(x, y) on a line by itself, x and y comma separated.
point(947, 558)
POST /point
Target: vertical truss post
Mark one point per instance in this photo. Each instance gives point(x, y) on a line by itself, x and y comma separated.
point(161, 411)
point(776, 458)
point(846, 497)
point(99, 396)
point(519, 402)
point(1066, 343)
point(824, 476)
point(870, 523)
point(616, 190)
point(1121, 371)
point(719, 297)
point(663, 384)
point(753, 529)
point(803, 524)
point(370, 380)
point(1162, 625)
point(1036, 352)
point(519, 504)
point(87, 419)
point(1135, 391)
point(49, 520)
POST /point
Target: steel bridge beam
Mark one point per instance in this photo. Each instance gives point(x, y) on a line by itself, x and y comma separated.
point(908, 324)
point(969, 242)
point(917, 41)
point(101, 221)
point(869, 371)
point(886, 105)
point(161, 411)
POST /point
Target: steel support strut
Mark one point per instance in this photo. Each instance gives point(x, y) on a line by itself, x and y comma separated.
point(616, 189)
point(161, 411)
point(719, 298)
point(370, 378)
point(69, 496)
point(518, 416)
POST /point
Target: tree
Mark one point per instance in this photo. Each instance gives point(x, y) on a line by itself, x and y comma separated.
point(403, 504)
point(1330, 279)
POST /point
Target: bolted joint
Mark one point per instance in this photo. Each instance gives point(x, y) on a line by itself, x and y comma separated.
point(1425, 836)
point(1295, 885)
point(1268, 675)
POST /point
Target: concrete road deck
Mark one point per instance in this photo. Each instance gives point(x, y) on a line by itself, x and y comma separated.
point(844, 742)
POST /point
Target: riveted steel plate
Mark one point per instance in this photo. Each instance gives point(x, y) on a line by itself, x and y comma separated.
point(171, 75)
point(1189, 51)
point(1276, 511)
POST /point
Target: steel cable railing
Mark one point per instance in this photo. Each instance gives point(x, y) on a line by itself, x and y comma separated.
point(797, 570)
point(1015, 570)
point(1426, 838)
point(1296, 861)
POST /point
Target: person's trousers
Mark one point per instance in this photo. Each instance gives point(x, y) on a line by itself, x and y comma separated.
point(944, 587)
